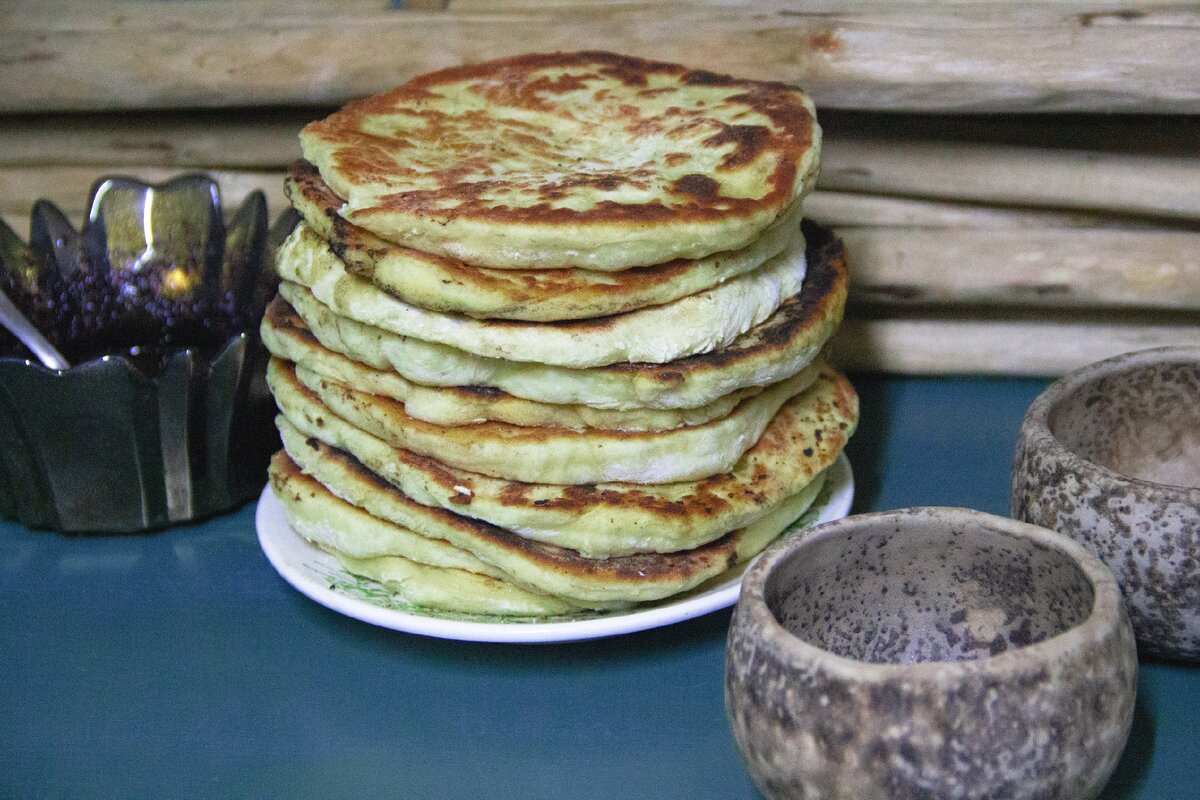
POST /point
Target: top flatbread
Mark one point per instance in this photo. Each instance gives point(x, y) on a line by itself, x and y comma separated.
point(589, 160)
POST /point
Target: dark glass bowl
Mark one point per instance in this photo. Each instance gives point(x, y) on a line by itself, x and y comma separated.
point(165, 416)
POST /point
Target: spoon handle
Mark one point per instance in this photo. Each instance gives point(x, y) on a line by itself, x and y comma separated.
point(19, 325)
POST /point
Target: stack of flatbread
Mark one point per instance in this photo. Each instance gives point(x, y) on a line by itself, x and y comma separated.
point(549, 334)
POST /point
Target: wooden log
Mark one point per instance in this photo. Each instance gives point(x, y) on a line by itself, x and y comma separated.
point(1163, 186)
point(69, 187)
point(1025, 347)
point(959, 254)
point(20, 222)
point(1144, 134)
point(267, 141)
point(137, 16)
point(970, 57)
point(854, 210)
point(265, 138)
point(1101, 185)
point(1040, 267)
point(260, 139)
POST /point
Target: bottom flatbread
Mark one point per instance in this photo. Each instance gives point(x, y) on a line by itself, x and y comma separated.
point(608, 519)
point(361, 518)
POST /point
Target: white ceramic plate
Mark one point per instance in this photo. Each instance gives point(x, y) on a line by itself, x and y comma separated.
point(318, 575)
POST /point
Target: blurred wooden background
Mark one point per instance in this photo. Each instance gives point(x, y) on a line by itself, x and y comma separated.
point(1018, 183)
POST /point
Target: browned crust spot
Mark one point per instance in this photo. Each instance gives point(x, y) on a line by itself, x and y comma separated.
point(280, 316)
point(823, 291)
point(358, 249)
point(711, 497)
point(361, 158)
point(637, 568)
point(822, 295)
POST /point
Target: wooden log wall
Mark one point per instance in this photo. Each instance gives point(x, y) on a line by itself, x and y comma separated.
point(1018, 184)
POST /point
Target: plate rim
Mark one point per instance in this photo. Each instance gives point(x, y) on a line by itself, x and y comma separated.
point(273, 530)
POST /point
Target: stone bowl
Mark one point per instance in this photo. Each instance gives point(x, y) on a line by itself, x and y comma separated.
point(930, 653)
point(1110, 456)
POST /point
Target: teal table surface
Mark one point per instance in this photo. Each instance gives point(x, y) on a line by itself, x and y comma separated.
point(179, 664)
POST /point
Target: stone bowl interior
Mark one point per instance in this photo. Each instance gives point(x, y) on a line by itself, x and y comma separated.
point(1142, 422)
point(886, 596)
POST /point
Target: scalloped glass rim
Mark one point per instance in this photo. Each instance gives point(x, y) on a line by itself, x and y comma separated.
point(229, 257)
point(187, 180)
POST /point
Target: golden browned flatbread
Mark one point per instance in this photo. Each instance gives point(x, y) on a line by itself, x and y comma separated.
point(589, 159)
point(773, 350)
point(557, 455)
point(440, 283)
point(603, 519)
point(698, 323)
point(286, 336)
point(534, 566)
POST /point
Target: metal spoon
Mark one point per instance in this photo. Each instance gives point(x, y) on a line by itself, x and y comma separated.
point(19, 325)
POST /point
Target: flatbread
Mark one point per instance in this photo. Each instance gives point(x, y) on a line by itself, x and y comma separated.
point(439, 283)
point(301, 496)
point(286, 336)
point(455, 592)
point(608, 519)
point(554, 455)
point(777, 348)
point(422, 587)
point(537, 567)
point(697, 323)
point(590, 160)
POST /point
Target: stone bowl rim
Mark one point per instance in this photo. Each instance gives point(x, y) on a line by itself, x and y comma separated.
point(1036, 433)
point(1103, 619)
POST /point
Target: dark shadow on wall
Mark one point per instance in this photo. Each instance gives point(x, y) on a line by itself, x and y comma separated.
point(865, 449)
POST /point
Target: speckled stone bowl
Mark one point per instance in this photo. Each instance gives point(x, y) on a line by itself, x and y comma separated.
point(930, 653)
point(1110, 455)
